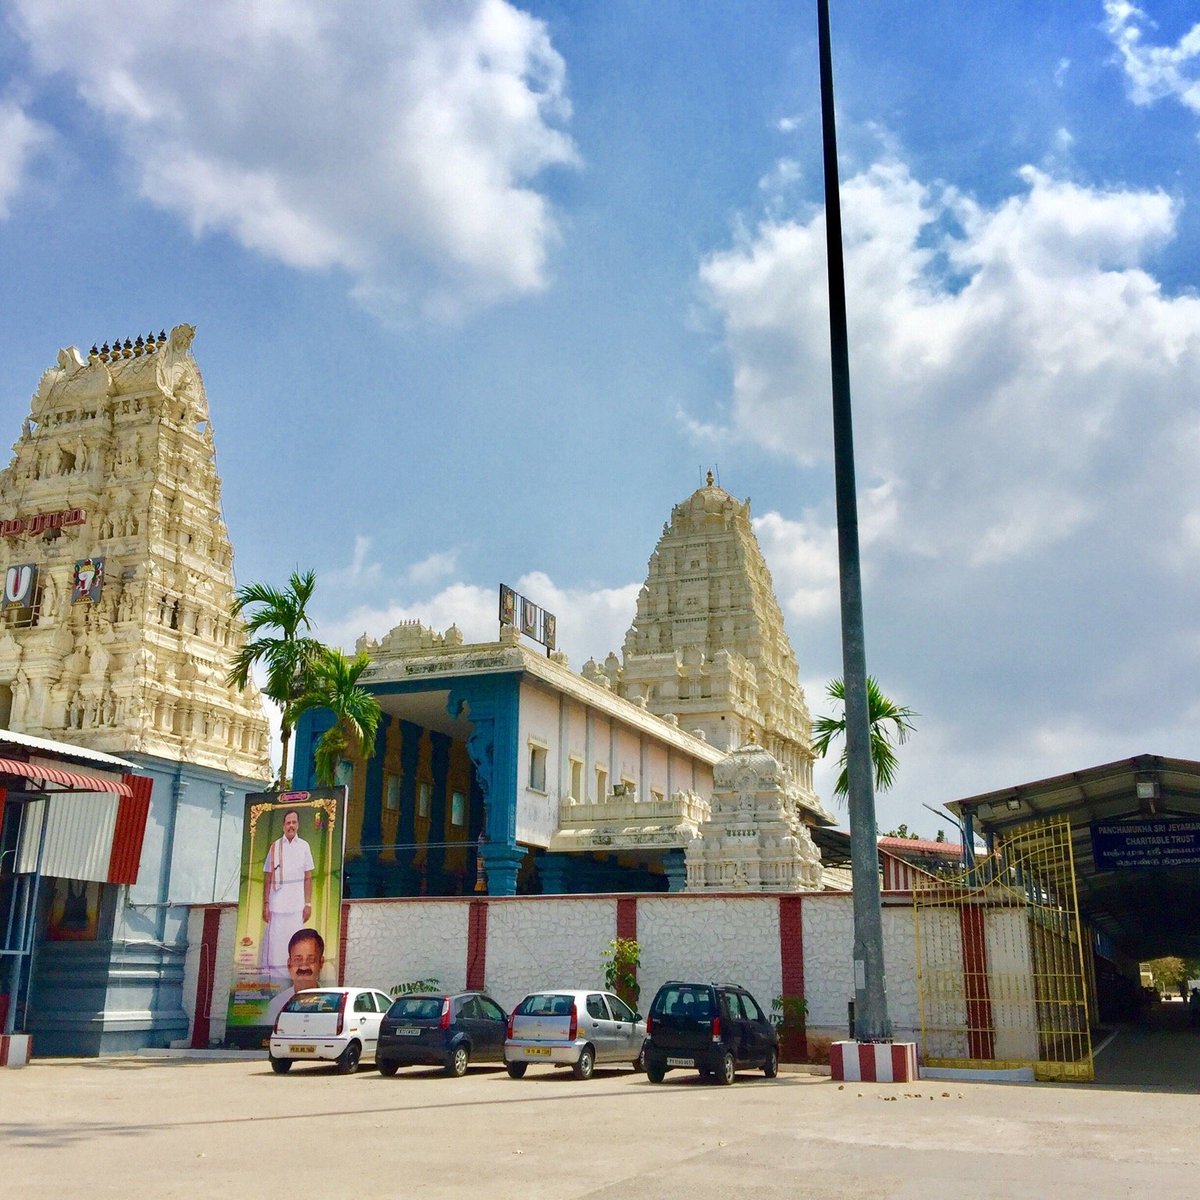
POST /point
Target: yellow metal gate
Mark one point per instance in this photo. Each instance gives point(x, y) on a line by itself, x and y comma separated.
point(1002, 961)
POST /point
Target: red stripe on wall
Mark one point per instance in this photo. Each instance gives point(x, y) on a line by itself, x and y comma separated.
point(477, 923)
point(900, 1071)
point(627, 918)
point(132, 813)
point(791, 966)
point(343, 933)
point(980, 1035)
point(205, 978)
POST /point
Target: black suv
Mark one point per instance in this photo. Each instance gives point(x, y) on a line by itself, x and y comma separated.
point(714, 1028)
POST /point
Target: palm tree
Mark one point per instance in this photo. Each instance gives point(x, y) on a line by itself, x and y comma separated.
point(274, 631)
point(885, 717)
point(333, 684)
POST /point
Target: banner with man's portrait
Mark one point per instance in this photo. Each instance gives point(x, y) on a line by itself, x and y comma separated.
point(289, 906)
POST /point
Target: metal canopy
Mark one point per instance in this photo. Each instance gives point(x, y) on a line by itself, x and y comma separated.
point(1145, 913)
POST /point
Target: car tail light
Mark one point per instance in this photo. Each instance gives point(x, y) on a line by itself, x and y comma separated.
point(716, 1036)
point(574, 1031)
point(444, 1022)
point(341, 1013)
point(649, 1024)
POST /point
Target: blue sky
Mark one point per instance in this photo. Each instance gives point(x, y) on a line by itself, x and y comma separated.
point(481, 289)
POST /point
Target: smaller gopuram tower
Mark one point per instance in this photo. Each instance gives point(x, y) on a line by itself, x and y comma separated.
point(708, 642)
point(115, 629)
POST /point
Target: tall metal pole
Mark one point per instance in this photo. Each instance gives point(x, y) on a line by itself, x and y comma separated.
point(871, 1022)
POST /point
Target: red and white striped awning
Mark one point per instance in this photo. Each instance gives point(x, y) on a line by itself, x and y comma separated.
point(70, 781)
point(96, 836)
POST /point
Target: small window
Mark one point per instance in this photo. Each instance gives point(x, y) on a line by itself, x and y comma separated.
point(537, 768)
point(458, 808)
point(364, 1002)
point(576, 779)
point(601, 783)
point(424, 794)
point(392, 792)
point(491, 1010)
point(750, 1008)
point(620, 1010)
point(468, 1009)
point(596, 1008)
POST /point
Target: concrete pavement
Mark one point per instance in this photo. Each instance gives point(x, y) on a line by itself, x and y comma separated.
point(164, 1128)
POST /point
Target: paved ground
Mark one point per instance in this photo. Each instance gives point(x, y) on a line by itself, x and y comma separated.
point(164, 1128)
point(1163, 1051)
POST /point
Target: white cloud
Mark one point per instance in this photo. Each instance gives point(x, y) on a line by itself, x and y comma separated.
point(1026, 436)
point(399, 142)
point(436, 566)
point(20, 138)
point(1154, 72)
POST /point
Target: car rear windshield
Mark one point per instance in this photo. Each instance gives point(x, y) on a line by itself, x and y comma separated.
point(684, 1001)
point(314, 1002)
point(544, 1004)
point(417, 1008)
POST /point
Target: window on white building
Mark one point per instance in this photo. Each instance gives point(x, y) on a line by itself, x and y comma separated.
point(537, 768)
point(576, 792)
point(601, 784)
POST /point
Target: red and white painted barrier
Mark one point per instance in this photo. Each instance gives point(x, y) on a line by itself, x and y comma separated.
point(873, 1062)
point(14, 1049)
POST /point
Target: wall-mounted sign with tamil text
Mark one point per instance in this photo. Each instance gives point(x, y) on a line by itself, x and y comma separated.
point(42, 522)
point(1145, 845)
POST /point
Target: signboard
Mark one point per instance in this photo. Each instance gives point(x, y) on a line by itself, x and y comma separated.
point(289, 906)
point(87, 580)
point(536, 622)
point(1145, 845)
point(20, 585)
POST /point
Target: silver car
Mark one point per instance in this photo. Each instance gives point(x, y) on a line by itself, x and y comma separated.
point(568, 1027)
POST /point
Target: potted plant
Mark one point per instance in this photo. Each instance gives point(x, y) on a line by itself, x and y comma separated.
point(621, 961)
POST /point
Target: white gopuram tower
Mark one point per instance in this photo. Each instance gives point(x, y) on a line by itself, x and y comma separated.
point(708, 642)
point(113, 485)
point(116, 636)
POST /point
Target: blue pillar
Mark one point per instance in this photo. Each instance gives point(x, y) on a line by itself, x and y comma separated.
point(406, 878)
point(491, 704)
point(435, 855)
point(675, 866)
point(372, 823)
point(555, 872)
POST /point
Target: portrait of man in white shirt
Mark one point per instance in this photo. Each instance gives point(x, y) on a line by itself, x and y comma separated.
point(287, 894)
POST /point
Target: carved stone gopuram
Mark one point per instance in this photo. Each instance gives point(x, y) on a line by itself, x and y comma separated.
point(115, 631)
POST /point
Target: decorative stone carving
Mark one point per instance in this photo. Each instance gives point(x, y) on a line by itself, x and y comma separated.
point(123, 438)
point(756, 837)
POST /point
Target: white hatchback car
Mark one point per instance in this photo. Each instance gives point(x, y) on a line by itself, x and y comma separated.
point(328, 1024)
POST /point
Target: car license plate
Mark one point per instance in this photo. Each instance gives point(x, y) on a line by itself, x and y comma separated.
point(681, 1062)
point(537, 1051)
point(409, 1031)
point(302, 1049)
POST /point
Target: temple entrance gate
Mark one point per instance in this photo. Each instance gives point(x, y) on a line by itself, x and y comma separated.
point(1002, 961)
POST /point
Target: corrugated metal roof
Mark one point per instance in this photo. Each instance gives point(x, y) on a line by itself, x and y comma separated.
point(62, 749)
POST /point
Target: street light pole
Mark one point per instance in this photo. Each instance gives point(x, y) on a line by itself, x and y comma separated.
point(871, 1022)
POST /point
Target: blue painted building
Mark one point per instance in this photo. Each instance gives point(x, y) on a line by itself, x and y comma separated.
point(497, 756)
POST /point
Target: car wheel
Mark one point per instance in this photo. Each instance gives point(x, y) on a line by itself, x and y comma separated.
point(516, 1070)
point(347, 1061)
point(639, 1063)
point(725, 1071)
point(771, 1066)
point(281, 1066)
point(388, 1068)
point(655, 1073)
point(586, 1064)
point(456, 1064)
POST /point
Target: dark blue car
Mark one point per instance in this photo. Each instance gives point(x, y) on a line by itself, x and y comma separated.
point(444, 1030)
